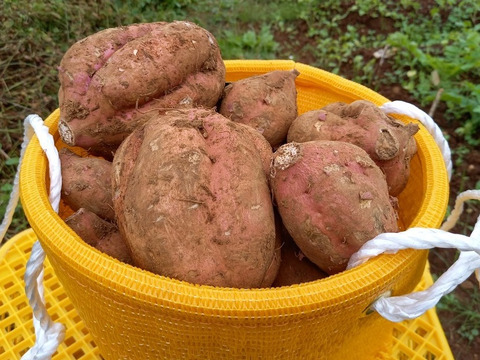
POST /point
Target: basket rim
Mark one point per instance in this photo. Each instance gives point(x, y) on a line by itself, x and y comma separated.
point(122, 279)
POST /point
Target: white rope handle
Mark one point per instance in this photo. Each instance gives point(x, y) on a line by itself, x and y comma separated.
point(399, 308)
point(48, 334)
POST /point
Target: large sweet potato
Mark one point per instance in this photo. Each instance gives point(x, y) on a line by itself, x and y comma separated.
point(111, 78)
point(87, 183)
point(332, 198)
point(193, 202)
point(389, 142)
point(274, 267)
point(267, 102)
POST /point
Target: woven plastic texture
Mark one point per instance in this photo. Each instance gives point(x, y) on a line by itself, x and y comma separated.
point(134, 314)
point(419, 339)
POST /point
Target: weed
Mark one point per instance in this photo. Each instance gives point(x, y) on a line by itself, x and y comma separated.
point(249, 45)
point(453, 54)
point(19, 221)
point(467, 313)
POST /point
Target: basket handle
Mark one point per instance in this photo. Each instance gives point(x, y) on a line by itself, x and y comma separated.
point(48, 334)
point(399, 308)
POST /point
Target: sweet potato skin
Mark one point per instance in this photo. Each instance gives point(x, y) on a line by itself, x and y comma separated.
point(387, 141)
point(87, 183)
point(101, 234)
point(262, 146)
point(274, 267)
point(267, 102)
point(295, 267)
point(332, 198)
point(111, 78)
point(205, 215)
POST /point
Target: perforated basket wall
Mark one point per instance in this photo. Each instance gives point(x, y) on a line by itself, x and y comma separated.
point(134, 314)
point(419, 339)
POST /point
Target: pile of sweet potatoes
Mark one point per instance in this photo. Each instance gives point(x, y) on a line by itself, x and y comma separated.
point(213, 183)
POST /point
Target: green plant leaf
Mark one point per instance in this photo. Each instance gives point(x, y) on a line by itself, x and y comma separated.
point(12, 161)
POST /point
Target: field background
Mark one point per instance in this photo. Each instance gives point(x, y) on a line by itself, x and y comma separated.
point(425, 52)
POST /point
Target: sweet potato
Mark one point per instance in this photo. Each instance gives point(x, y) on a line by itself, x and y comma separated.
point(274, 267)
point(332, 198)
point(111, 78)
point(193, 202)
point(295, 267)
point(87, 183)
point(262, 146)
point(100, 234)
point(389, 142)
point(267, 102)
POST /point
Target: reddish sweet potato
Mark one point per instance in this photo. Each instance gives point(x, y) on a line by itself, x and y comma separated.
point(111, 78)
point(389, 142)
point(274, 267)
point(205, 213)
point(100, 234)
point(295, 268)
point(261, 144)
point(332, 198)
point(268, 103)
point(87, 183)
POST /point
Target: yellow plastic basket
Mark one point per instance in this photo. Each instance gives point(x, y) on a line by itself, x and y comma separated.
point(419, 339)
point(134, 314)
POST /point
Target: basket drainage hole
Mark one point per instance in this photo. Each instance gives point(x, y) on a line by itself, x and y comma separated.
point(7, 285)
point(18, 340)
point(23, 351)
point(78, 354)
point(10, 327)
point(15, 295)
point(69, 341)
point(48, 276)
point(21, 305)
point(421, 331)
point(61, 296)
point(430, 356)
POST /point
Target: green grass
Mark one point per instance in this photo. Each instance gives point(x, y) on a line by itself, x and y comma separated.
point(466, 312)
